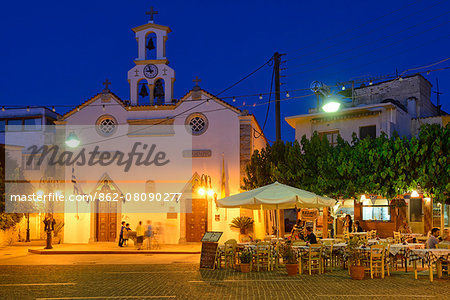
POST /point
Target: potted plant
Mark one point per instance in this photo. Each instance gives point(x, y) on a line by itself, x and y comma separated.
point(290, 259)
point(242, 223)
point(245, 257)
point(354, 258)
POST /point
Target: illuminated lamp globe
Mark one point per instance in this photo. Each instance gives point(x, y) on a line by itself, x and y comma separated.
point(331, 106)
point(72, 140)
point(201, 191)
point(415, 194)
point(210, 192)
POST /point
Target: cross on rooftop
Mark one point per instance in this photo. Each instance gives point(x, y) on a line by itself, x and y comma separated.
point(151, 13)
point(196, 80)
point(106, 84)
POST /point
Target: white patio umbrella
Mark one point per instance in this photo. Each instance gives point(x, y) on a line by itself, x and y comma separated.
point(276, 196)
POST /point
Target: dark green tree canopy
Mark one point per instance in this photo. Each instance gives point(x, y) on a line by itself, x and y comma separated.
point(382, 165)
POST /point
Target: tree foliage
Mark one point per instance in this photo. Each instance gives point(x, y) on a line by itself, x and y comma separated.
point(382, 165)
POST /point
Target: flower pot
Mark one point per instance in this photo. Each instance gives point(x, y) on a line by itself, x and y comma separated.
point(292, 269)
point(245, 268)
point(357, 272)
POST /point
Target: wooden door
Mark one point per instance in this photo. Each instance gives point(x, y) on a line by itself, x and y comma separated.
point(196, 222)
point(106, 221)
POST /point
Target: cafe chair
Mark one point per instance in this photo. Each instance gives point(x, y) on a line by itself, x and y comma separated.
point(263, 256)
point(314, 258)
point(377, 260)
point(328, 257)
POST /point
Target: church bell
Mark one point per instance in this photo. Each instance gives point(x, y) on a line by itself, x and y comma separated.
point(150, 45)
point(143, 92)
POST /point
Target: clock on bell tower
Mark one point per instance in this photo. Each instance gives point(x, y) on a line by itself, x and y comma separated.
point(151, 76)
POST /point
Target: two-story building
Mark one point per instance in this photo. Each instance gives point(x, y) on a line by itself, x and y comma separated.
point(400, 105)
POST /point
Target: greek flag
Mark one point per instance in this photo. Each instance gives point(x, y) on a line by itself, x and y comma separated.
point(76, 188)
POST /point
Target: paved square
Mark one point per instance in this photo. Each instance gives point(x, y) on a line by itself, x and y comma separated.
point(185, 281)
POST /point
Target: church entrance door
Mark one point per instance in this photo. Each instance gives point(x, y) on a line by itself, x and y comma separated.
point(196, 222)
point(106, 221)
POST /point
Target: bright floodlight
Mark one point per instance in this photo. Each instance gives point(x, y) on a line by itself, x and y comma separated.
point(331, 106)
point(210, 192)
point(201, 191)
point(72, 140)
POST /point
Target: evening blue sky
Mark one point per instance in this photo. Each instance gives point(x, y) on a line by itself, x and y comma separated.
point(60, 52)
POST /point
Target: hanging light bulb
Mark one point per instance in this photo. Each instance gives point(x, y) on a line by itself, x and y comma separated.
point(371, 82)
point(287, 95)
point(254, 104)
point(103, 107)
point(400, 78)
point(3, 108)
point(28, 108)
point(234, 99)
point(72, 140)
point(260, 96)
point(53, 109)
point(343, 87)
point(243, 103)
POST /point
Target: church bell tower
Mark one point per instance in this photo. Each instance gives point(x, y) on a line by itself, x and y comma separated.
point(151, 79)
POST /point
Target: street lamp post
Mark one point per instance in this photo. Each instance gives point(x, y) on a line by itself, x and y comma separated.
point(49, 221)
point(28, 228)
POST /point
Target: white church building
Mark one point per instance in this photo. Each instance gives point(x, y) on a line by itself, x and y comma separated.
point(222, 139)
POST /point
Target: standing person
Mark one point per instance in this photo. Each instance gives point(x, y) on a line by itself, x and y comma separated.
point(140, 232)
point(148, 234)
point(125, 234)
point(121, 234)
point(348, 223)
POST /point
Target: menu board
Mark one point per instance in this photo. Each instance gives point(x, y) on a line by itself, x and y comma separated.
point(208, 256)
point(212, 236)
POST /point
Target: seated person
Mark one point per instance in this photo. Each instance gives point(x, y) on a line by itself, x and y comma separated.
point(404, 228)
point(446, 236)
point(310, 236)
point(433, 238)
point(358, 227)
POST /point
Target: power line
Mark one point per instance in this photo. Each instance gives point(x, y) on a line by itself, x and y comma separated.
point(397, 53)
point(368, 52)
point(358, 27)
point(368, 43)
point(363, 34)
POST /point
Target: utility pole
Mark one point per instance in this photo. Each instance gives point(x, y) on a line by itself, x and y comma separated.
point(276, 68)
point(438, 94)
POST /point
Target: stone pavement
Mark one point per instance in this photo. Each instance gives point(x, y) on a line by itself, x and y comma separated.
point(94, 254)
point(113, 248)
point(186, 281)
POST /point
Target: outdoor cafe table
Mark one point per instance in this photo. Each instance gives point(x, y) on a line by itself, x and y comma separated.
point(431, 256)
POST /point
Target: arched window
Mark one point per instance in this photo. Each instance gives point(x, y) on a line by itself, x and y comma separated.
point(106, 125)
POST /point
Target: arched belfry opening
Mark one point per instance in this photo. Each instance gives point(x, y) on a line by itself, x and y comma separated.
point(151, 46)
point(143, 90)
point(151, 66)
point(159, 92)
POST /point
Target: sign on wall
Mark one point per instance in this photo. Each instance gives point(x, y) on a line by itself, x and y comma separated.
point(308, 214)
